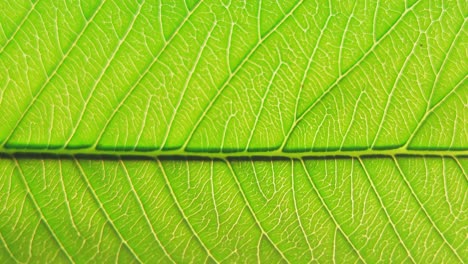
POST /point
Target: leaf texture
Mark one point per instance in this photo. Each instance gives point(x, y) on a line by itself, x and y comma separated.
point(81, 209)
point(233, 131)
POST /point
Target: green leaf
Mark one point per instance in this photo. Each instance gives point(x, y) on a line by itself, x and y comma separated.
point(230, 131)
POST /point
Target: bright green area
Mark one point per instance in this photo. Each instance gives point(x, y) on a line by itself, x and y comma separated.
point(382, 84)
point(347, 210)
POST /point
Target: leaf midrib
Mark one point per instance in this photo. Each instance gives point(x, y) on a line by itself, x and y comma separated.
point(235, 154)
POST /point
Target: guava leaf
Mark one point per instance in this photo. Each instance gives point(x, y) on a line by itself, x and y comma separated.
point(233, 131)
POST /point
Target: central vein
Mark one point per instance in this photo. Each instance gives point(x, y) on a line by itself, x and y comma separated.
point(235, 154)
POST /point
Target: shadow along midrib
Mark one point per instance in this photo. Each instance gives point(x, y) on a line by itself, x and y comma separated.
point(235, 154)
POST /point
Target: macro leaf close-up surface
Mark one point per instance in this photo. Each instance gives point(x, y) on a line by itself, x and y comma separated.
point(154, 131)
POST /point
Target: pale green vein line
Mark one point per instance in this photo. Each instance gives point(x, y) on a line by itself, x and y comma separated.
point(103, 72)
point(54, 72)
point(392, 224)
point(446, 195)
point(296, 211)
point(8, 189)
point(330, 214)
point(257, 182)
point(117, 257)
point(8, 250)
point(186, 84)
point(104, 211)
point(143, 210)
point(163, 37)
point(310, 61)
point(374, 23)
point(344, 75)
point(143, 124)
point(460, 167)
point(408, 58)
point(444, 62)
point(213, 198)
point(262, 103)
point(334, 245)
point(423, 208)
point(67, 201)
point(145, 72)
point(343, 38)
point(252, 213)
point(259, 244)
point(259, 20)
point(20, 25)
point(41, 214)
point(353, 118)
point(226, 83)
point(431, 110)
point(181, 211)
point(31, 241)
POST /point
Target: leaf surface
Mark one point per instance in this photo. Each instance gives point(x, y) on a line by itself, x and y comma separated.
point(199, 131)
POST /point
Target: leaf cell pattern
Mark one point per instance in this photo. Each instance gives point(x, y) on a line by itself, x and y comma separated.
point(233, 131)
